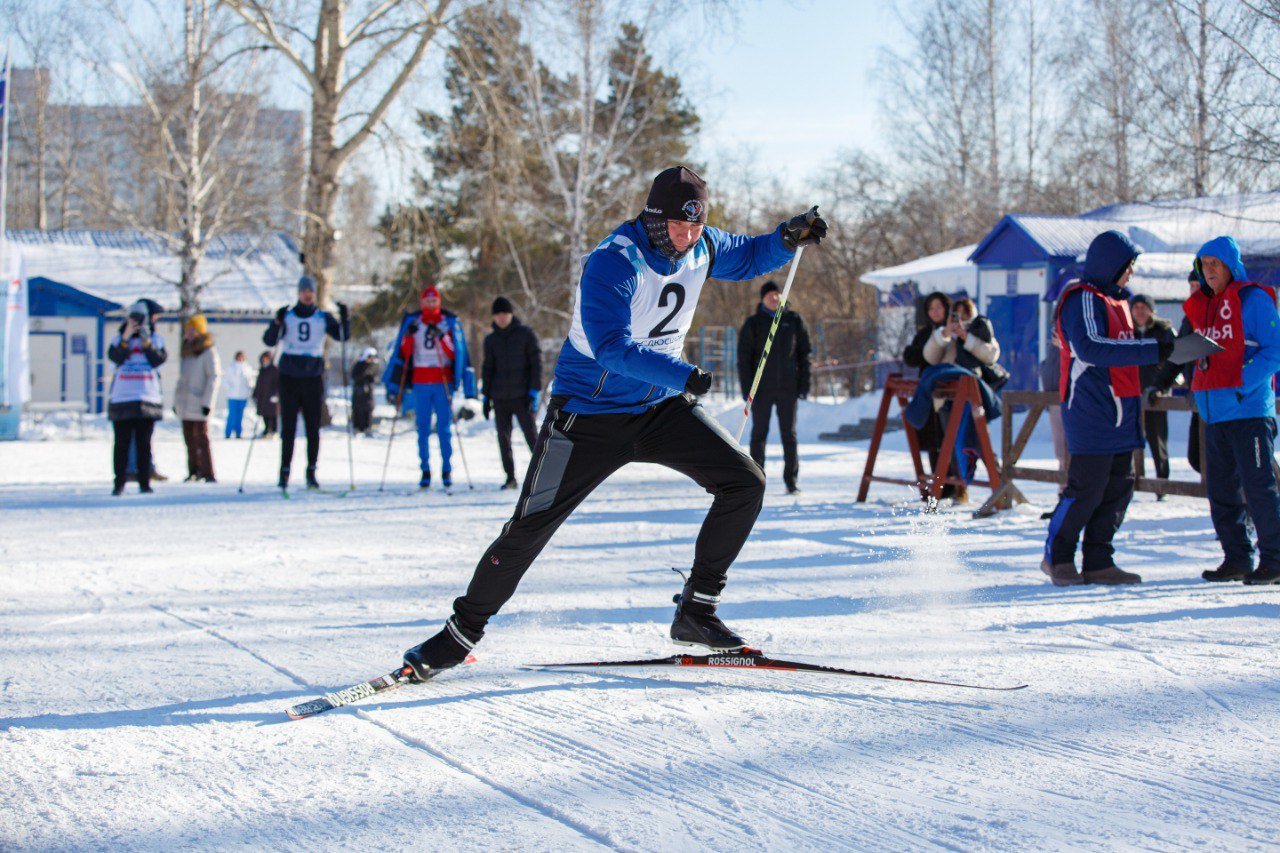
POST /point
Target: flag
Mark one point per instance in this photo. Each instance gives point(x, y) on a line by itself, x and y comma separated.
point(17, 361)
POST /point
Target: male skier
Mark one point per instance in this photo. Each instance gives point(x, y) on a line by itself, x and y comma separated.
point(300, 331)
point(622, 394)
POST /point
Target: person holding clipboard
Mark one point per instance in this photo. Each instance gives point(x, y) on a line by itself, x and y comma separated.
point(1234, 395)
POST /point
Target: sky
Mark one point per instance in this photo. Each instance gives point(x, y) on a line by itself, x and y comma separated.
point(793, 82)
point(789, 81)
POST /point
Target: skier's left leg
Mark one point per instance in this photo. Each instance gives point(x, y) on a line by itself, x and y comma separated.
point(682, 436)
point(442, 403)
point(312, 404)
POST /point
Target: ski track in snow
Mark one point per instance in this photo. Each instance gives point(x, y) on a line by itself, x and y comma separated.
point(149, 646)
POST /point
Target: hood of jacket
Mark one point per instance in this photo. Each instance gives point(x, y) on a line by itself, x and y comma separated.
point(1225, 250)
point(197, 346)
point(1108, 255)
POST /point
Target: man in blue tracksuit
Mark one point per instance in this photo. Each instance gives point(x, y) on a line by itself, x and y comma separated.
point(1235, 397)
point(432, 347)
point(623, 394)
point(1101, 413)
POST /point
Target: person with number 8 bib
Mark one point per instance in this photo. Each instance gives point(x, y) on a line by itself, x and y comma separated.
point(300, 331)
point(432, 347)
point(622, 393)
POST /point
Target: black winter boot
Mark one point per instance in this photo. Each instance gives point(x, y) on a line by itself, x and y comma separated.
point(1263, 575)
point(443, 651)
point(696, 623)
point(284, 478)
point(1225, 573)
point(312, 483)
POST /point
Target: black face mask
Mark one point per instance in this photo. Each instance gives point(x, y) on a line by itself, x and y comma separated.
point(660, 238)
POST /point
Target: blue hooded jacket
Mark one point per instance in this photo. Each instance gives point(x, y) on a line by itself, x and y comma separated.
point(624, 376)
point(462, 369)
point(1096, 421)
point(1255, 398)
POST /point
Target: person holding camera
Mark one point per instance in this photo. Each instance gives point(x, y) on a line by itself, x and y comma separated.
point(135, 402)
point(966, 340)
point(785, 379)
point(936, 314)
point(511, 380)
point(198, 380)
point(300, 331)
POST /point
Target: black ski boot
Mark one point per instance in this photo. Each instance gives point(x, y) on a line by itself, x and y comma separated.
point(443, 651)
point(696, 623)
point(284, 478)
point(311, 479)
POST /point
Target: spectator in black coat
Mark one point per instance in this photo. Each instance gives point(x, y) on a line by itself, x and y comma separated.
point(512, 380)
point(364, 373)
point(266, 393)
point(1155, 424)
point(937, 310)
point(1167, 373)
point(784, 381)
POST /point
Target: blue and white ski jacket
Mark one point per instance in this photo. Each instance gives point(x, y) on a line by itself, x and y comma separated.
point(633, 308)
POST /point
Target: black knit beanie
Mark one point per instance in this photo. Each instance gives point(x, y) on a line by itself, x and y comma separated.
point(502, 305)
point(677, 193)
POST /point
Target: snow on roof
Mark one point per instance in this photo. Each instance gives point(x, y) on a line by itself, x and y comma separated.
point(947, 271)
point(246, 273)
point(1064, 236)
point(1185, 224)
point(1162, 275)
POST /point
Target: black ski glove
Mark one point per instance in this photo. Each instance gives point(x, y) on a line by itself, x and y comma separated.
point(1166, 348)
point(205, 410)
point(412, 330)
point(698, 383)
point(343, 314)
point(280, 315)
point(807, 229)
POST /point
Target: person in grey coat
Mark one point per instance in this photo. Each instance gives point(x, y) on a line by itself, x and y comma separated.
point(193, 399)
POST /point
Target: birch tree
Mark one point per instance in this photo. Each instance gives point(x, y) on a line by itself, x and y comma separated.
point(198, 147)
point(354, 59)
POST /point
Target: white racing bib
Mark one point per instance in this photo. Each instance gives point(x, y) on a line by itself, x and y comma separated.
point(428, 349)
point(303, 335)
point(662, 306)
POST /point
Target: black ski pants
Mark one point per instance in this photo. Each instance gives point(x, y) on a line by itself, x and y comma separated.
point(1240, 455)
point(1156, 426)
point(303, 394)
point(136, 432)
point(503, 412)
point(575, 453)
point(1099, 488)
point(761, 409)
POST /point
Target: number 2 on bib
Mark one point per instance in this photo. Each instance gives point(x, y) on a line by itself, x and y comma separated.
point(677, 291)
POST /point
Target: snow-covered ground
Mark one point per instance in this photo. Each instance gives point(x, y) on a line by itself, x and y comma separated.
point(149, 646)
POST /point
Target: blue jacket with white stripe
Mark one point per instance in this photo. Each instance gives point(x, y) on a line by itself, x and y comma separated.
point(624, 282)
point(1095, 420)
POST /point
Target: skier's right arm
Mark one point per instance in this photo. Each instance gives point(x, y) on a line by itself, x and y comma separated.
point(1084, 321)
point(608, 283)
point(117, 352)
point(275, 329)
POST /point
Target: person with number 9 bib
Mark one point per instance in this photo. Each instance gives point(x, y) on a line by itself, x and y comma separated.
point(432, 346)
point(300, 331)
point(622, 393)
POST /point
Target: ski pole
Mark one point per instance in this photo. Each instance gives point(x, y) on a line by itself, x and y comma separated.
point(404, 375)
point(351, 465)
point(453, 418)
point(773, 329)
point(245, 473)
